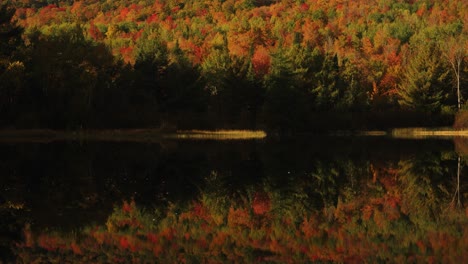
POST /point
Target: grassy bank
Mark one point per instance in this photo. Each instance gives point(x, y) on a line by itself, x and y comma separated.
point(155, 135)
point(426, 132)
point(217, 135)
point(411, 132)
point(39, 135)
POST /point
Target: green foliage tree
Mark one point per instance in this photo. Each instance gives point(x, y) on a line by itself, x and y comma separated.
point(330, 87)
point(184, 90)
point(355, 97)
point(150, 67)
point(285, 108)
point(236, 92)
point(424, 84)
point(66, 70)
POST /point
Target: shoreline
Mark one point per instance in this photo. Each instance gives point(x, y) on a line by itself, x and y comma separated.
point(421, 132)
point(155, 135)
point(147, 135)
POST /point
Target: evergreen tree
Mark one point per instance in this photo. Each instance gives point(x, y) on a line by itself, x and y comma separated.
point(184, 88)
point(285, 108)
point(330, 86)
point(151, 65)
point(235, 88)
point(66, 71)
point(424, 84)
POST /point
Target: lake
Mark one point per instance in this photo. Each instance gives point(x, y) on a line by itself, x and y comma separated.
point(325, 199)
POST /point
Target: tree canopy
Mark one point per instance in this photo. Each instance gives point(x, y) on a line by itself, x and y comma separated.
point(221, 63)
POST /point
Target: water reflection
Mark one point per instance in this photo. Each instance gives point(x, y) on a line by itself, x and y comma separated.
point(334, 199)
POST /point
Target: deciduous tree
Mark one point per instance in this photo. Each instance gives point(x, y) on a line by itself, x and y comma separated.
point(455, 49)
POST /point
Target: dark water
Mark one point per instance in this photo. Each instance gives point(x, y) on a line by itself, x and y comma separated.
point(344, 199)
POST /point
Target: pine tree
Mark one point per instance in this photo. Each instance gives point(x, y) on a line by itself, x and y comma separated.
point(424, 83)
point(330, 86)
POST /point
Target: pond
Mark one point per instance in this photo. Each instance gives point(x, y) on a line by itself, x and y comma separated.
point(339, 199)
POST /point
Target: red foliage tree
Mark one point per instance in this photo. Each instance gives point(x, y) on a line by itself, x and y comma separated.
point(261, 61)
point(94, 32)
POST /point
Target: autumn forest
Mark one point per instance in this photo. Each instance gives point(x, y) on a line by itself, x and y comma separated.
point(233, 131)
point(286, 66)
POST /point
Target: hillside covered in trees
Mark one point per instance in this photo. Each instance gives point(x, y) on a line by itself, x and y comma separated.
point(287, 66)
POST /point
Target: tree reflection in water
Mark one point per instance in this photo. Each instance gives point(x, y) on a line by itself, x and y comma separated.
point(339, 211)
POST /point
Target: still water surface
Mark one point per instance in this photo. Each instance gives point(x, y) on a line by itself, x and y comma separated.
point(343, 199)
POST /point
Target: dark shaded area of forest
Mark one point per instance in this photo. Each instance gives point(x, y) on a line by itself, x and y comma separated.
point(64, 66)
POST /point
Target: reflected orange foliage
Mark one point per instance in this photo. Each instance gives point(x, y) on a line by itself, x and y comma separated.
point(76, 248)
point(261, 203)
point(238, 217)
point(128, 207)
